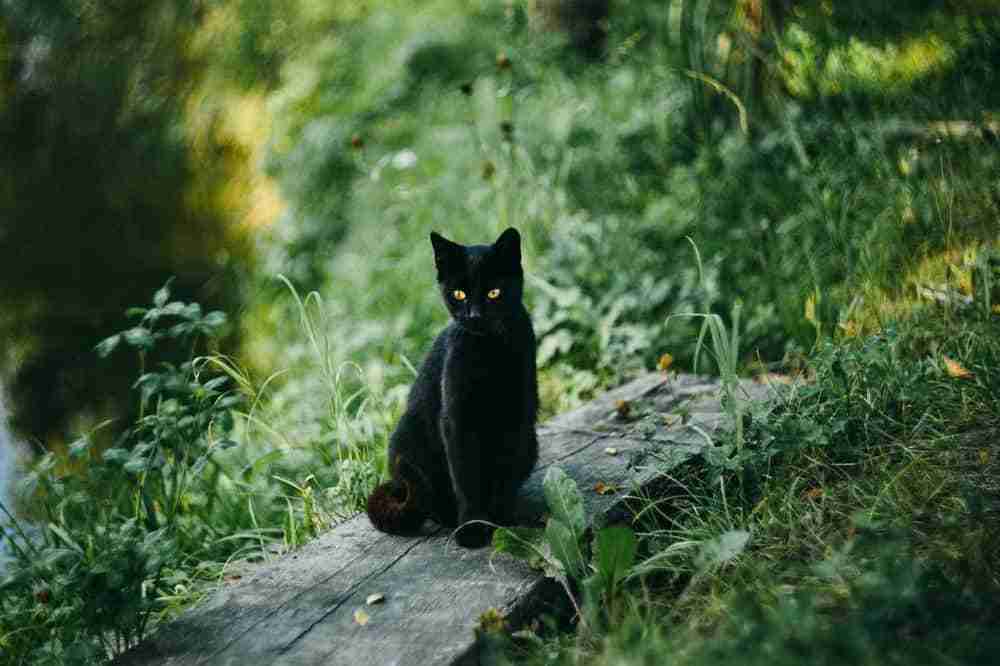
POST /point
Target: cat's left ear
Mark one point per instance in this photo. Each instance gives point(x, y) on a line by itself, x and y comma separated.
point(508, 247)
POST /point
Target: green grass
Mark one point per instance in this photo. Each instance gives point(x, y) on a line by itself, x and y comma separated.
point(211, 478)
point(870, 498)
point(866, 489)
point(607, 177)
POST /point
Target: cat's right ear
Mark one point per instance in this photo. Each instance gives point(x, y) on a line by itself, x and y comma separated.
point(447, 255)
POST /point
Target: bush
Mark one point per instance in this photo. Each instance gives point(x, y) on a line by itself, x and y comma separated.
point(117, 537)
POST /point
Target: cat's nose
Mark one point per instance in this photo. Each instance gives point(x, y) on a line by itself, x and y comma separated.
point(475, 313)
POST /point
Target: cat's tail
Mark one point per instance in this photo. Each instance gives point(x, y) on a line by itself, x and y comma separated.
point(393, 507)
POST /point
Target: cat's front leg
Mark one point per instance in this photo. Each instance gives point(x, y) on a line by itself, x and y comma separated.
point(511, 471)
point(465, 465)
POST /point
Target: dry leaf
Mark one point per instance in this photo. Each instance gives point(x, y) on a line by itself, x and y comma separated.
point(964, 282)
point(772, 378)
point(956, 369)
point(849, 328)
point(984, 457)
point(623, 408)
point(602, 488)
point(810, 309)
point(492, 621)
point(814, 493)
point(376, 598)
point(611, 451)
point(664, 363)
point(361, 617)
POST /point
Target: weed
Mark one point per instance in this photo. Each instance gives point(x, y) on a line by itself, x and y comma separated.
point(561, 550)
point(124, 535)
point(864, 511)
point(113, 525)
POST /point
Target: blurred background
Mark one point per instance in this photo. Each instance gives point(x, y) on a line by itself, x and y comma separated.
point(824, 157)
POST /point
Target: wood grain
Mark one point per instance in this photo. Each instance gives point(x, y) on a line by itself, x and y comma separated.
point(299, 609)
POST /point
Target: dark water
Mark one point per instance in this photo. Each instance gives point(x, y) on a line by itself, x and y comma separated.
point(6, 452)
point(7, 445)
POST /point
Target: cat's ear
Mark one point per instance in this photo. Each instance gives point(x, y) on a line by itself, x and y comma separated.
point(508, 247)
point(447, 255)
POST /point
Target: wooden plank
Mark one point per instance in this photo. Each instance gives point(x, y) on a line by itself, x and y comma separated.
point(299, 610)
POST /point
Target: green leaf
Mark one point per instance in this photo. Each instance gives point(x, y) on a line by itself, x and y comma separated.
point(214, 319)
point(215, 382)
point(162, 294)
point(257, 466)
point(136, 465)
point(139, 337)
point(523, 543)
point(65, 538)
point(54, 556)
point(180, 330)
point(593, 588)
point(79, 447)
point(229, 401)
point(174, 309)
point(564, 546)
point(199, 465)
point(554, 344)
point(116, 455)
point(107, 345)
point(614, 553)
point(726, 547)
point(565, 501)
point(192, 311)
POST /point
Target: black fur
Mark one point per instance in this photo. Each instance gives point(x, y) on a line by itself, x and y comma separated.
point(467, 441)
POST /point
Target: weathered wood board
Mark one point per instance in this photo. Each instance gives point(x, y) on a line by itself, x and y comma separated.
point(299, 610)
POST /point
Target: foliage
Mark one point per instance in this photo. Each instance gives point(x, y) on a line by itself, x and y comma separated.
point(889, 608)
point(118, 537)
point(861, 508)
point(824, 206)
point(113, 524)
point(561, 549)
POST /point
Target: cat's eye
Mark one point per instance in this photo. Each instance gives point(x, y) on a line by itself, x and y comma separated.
point(458, 294)
point(493, 294)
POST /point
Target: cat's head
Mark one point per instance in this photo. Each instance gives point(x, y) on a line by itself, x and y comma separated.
point(481, 284)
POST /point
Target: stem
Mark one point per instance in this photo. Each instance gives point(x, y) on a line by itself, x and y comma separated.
point(20, 532)
point(579, 613)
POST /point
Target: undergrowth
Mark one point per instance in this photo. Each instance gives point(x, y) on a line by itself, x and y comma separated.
point(818, 216)
point(860, 521)
point(828, 524)
point(203, 484)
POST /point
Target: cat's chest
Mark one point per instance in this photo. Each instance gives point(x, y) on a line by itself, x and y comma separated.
point(484, 374)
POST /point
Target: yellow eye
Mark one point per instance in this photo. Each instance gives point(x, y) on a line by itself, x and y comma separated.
point(458, 294)
point(493, 294)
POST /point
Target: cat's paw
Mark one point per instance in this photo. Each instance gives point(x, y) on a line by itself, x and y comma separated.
point(445, 516)
point(473, 535)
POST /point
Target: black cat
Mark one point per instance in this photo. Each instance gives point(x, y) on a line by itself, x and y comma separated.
point(467, 441)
